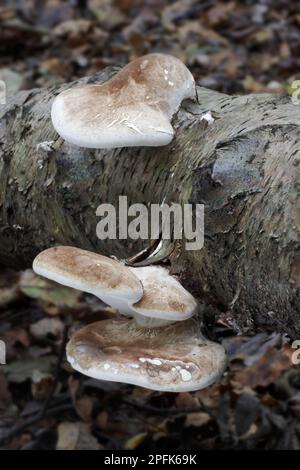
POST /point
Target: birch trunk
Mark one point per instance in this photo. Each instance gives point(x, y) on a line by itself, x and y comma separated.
point(244, 167)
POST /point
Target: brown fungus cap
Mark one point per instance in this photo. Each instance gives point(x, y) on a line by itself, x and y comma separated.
point(176, 358)
point(165, 300)
point(90, 272)
point(133, 108)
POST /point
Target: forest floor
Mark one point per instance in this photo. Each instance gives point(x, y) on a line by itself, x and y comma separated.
point(233, 47)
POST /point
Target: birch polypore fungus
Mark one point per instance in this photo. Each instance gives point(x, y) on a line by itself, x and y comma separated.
point(137, 351)
point(176, 358)
point(150, 294)
point(90, 272)
point(164, 301)
point(133, 108)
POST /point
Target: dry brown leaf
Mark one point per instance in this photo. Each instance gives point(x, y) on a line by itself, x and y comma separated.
point(265, 371)
point(186, 399)
point(83, 405)
point(210, 396)
point(252, 85)
point(197, 419)
point(218, 13)
point(41, 385)
point(47, 326)
point(73, 385)
point(79, 26)
point(47, 292)
point(195, 29)
point(17, 335)
point(9, 290)
point(76, 436)
point(18, 442)
point(8, 294)
point(140, 394)
point(174, 11)
point(22, 369)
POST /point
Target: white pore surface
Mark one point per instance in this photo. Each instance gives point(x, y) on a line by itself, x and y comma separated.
point(119, 300)
point(132, 126)
point(141, 381)
point(173, 358)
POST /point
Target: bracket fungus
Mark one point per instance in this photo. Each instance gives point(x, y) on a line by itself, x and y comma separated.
point(107, 279)
point(135, 350)
point(176, 358)
point(133, 108)
point(164, 301)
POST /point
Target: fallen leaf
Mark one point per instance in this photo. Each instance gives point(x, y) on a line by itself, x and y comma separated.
point(220, 12)
point(78, 26)
point(18, 442)
point(135, 441)
point(17, 335)
point(47, 326)
point(8, 294)
point(41, 384)
point(186, 399)
point(9, 289)
point(76, 436)
point(21, 370)
point(249, 350)
point(209, 396)
point(197, 419)
point(47, 291)
point(253, 85)
point(264, 371)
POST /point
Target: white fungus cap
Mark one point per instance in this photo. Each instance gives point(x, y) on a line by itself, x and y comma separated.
point(176, 358)
point(133, 108)
point(164, 301)
point(90, 272)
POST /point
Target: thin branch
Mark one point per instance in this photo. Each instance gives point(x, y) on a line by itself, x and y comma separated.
point(18, 428)
point(57, 371)
point(169, 410)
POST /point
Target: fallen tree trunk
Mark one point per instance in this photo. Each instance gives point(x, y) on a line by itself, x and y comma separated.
point(244, 167)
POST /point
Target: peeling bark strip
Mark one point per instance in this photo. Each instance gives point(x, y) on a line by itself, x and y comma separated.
point(244, 167)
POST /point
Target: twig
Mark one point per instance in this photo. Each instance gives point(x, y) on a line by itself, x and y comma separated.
point(11, 315)
point(18, 428)
point(18, 25)
point(56, 401)
point(57, 371)
point(170, 410)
